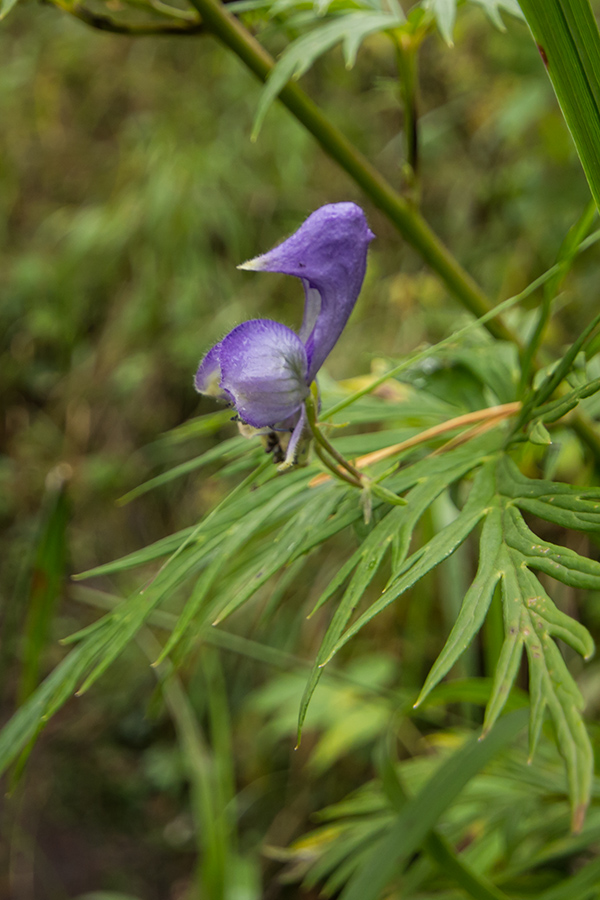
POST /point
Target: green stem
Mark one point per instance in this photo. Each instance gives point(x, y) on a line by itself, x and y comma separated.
point(406, 61)
point(528, 355)
point(212, 826)
point(338, 473)
point(571, 246)
point(402, 214)
point(552, 382)
point(311, 415)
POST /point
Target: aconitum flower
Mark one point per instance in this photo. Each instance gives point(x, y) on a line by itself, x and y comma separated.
point(263, 368)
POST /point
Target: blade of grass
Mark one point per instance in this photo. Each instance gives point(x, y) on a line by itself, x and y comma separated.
point(435, 845)
point(235, 643)
point(46, 578)
point(569, 43)
point(420, 814)
point(212, 823)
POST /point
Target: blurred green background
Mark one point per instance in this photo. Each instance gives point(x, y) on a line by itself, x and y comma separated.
point(129, 192)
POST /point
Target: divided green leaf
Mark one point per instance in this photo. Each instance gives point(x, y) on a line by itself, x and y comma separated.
point(511, 553)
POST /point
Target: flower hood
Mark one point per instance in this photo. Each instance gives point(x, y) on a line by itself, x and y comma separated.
point(262, 367)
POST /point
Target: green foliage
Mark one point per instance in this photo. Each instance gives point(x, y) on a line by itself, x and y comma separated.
point(350, 29)
point(444, 12)
point(418, 816)
point(492, 499)
point(519, 852)
point(350, 24)
point(265, 525)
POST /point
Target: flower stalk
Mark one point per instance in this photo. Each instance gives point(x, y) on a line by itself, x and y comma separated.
point(321, 440)
point(345, 470)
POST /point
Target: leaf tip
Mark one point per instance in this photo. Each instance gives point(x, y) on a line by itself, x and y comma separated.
point(425, 690)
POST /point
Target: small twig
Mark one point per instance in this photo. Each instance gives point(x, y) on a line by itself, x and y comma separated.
point(490, 417)
point(503, 411)
point(468, 435)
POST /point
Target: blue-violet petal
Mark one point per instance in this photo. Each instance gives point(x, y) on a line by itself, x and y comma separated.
point(329, 254)
point(264, 369)
point(208, 376)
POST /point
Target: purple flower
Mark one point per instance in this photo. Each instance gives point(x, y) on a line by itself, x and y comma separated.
point(265, 369)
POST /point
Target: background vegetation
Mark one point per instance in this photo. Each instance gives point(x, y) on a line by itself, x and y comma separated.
point(129, 191)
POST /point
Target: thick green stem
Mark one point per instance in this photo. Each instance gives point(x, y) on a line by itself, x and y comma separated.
point(404, 216)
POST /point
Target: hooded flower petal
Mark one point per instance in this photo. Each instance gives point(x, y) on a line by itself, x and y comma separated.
point(208, 376)
point(329, 254)
point(262, 370)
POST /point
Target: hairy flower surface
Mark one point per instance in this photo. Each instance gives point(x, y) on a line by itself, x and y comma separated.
point(263, 368)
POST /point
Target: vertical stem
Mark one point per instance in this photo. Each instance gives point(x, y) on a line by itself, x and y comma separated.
point(529, 352)
point(566, 255)
point(406, 61)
